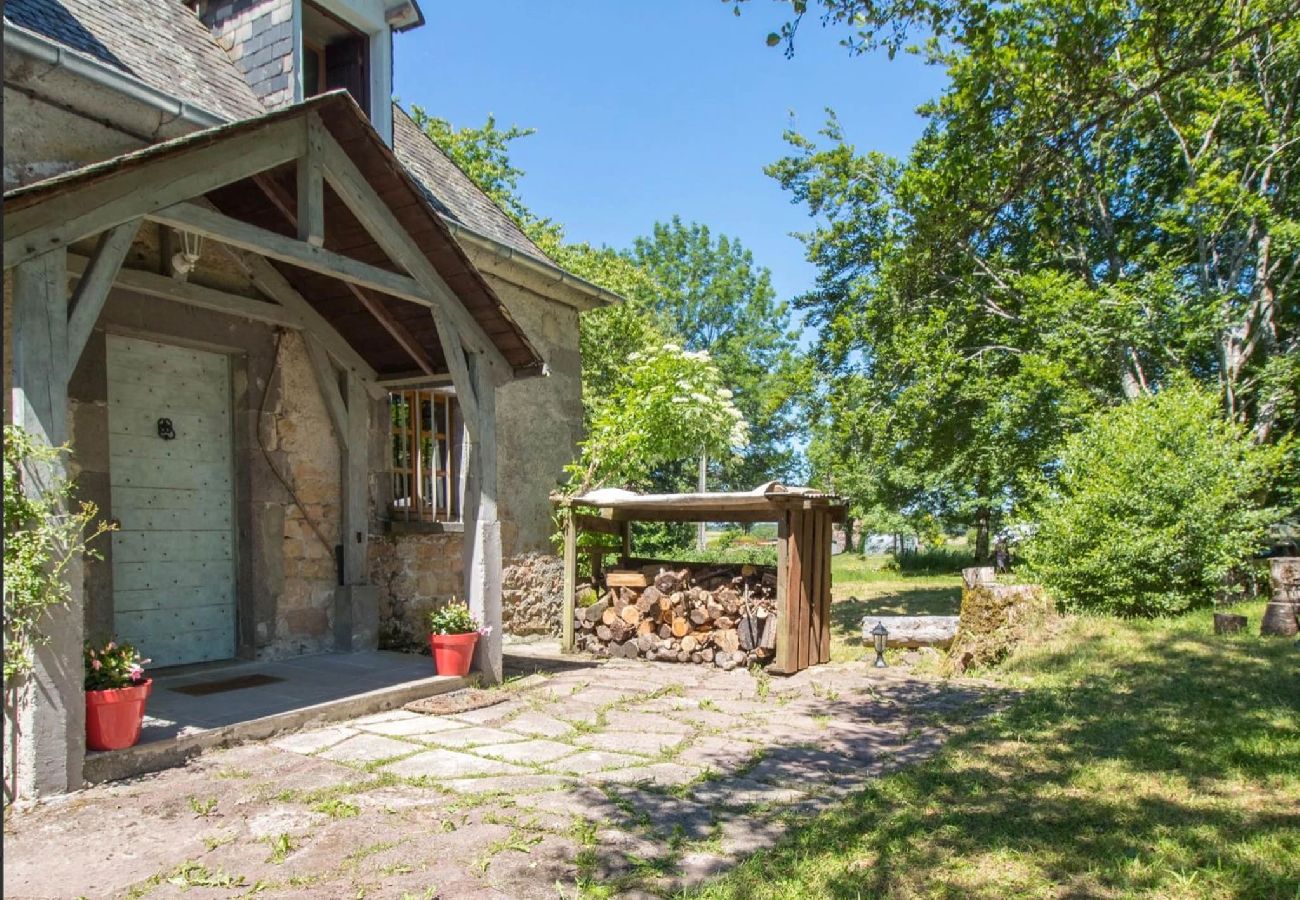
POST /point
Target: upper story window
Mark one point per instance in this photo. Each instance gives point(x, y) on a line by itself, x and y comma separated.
point(334, 55)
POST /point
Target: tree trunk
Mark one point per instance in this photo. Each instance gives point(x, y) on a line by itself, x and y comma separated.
point(848, 534)
point(982, 534)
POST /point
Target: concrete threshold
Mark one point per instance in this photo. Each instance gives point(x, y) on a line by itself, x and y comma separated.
point(157, 755)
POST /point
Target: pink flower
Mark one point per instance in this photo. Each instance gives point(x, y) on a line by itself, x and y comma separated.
point(96, 665)
point(112, 645)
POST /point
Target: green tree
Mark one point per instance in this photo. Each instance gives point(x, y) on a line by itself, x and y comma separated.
point(1156, 501)
point(1104, 198)
point(709, 292)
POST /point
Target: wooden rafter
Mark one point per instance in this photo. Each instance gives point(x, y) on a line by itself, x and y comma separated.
point(281, 200)
point(96, 279)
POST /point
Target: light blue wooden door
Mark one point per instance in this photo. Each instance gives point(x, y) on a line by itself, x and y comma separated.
point(173, 558)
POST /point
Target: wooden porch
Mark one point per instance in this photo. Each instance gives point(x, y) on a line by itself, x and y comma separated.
point(341, 246)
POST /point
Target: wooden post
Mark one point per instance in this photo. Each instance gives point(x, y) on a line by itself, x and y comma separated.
point(625, 532)
point(826, 587)
point(786, 656)
point(360, 612)
point(45, 728)
point(482, 529)
point(570, 579)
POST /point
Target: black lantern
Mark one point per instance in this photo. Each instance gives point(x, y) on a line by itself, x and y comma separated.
point(878, 635)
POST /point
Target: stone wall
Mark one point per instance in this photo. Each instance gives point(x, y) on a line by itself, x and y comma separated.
point(539, 421)
point(298, 429)
point(532, 595)
point(414, 572)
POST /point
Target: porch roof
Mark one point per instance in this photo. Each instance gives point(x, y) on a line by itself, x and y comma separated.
point(373, 314)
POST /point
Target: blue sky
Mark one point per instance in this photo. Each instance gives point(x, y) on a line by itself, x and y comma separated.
point(653, 108)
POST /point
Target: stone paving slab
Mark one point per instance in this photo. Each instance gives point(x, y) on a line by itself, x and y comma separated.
point(643, 742)
point(669, 774)
point(539, 724)
point(367, 748)
point(594, 761)
point(312, 741)
point(443, 764)
point(472, 736)
point(516, 785)
point(527, 752)
point(415, 726)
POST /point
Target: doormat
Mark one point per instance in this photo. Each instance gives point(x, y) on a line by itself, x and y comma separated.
point(454, 702)
point(203, 688)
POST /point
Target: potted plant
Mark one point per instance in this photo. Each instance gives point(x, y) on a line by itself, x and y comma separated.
point(453, 632)
point(116, 690)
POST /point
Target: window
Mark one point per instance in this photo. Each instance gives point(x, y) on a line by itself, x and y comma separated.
point(425, 444)
point(334, 55)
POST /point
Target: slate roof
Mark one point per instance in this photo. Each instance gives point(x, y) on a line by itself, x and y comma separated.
point(160, 42)
point(453, 193)
point(164, 45)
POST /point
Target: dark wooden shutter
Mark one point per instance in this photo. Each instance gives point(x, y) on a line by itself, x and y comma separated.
point(347, 66)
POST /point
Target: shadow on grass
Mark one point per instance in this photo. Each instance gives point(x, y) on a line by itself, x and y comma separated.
point(1141, 759)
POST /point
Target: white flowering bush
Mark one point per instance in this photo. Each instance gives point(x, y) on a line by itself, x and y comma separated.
point(669, 405)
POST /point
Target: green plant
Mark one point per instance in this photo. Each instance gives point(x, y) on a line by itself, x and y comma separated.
point(281, 846)
point(113, 666)
point(454, 618)
point(1155, 503)
point(337, 809)
point(203, 807)
point(44, 533)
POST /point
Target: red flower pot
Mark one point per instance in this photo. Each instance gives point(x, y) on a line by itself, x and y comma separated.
point(452, 652)
point(114, 716)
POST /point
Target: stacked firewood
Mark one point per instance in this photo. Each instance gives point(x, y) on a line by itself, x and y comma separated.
point(722, 615)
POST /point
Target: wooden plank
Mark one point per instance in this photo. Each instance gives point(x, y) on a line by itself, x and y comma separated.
point(781, 662)
point(207, 518)
point(92, 288)
point(826, 587)
point(570, 580)
point(458, 365)
point(327, 381)
point(205, 448)
point(311, 186)
point(119, 197)
point(597, 524)
point(799, 589)
point(166, 575)
point(375, 216)
point(182, 598)
point(151, 284)
point(625, 532)
point(815, 623)
point(807, 562)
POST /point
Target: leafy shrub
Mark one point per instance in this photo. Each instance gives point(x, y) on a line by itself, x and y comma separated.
point(1155, 502)
point(44, 533)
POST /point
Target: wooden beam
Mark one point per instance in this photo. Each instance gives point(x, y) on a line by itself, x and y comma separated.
point(570, 597)
point(597, 524)
point(47, 728)
point(267, 279)
point(135, 191)
point(328, 381)
point(482, 545)
point(375, 216)
point(311, 186)
point(92, 289)
point(460, 377)
point(153, 285)
point(214, 225)
point(356, 622)
point(414, 379)
point(399, 332)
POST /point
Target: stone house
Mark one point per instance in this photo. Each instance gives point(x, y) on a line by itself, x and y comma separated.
point(316, 377)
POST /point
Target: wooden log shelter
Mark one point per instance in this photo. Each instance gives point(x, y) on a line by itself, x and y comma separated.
point(804, 518)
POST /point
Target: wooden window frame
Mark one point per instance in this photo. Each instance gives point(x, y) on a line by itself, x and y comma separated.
point(318, 51)
point(425, 484)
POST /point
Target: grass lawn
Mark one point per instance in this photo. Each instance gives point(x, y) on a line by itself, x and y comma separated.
point(1140, 759)
point(861, 586)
